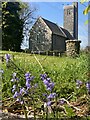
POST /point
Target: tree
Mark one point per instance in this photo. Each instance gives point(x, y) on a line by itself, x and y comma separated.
point(0, 26)
point(86, 10)
point(12, 26)
point(27, 14)
point(17, 20)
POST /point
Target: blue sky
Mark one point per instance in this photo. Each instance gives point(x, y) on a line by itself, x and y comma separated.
point(53, 11)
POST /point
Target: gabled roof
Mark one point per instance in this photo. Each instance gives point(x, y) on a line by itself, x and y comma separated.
point(57, 29)
point(67, 33)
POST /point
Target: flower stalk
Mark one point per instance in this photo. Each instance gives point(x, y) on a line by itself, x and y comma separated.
point(25, 112)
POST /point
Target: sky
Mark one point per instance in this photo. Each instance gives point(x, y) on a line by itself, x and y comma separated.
point(53, 11)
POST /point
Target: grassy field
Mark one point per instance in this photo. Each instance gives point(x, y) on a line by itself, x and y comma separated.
point(63, 71)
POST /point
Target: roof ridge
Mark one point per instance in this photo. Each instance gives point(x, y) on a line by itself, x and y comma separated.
point(55, 28)
point(48, 21)
point(62, 30)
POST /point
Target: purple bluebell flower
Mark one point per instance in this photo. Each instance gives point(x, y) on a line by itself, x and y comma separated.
point(36, 85)
point(50, 86)
point(1, 71)
point(28, 85)
point(29, 77)
point(61, 101)
point(14, 86)
point(17, 79)
point(27, 74)
point(49, 103)
point(88, 87)
point(14, 75)
point(16, 95)
point(12, 80)
point(43, 76)
point(78, 83)
point(18, 100)
point(44, 94)
point(22, 90)
point(7, 57)
point(13, 90)
point(26, 91)
point(22, 102)
point(52, 95)
point(48, 79)
point(45, 82)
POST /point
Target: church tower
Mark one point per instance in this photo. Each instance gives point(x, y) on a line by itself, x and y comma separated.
point(71, 19)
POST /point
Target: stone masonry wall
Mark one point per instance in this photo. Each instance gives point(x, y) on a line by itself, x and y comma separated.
point(40, 36)
point(72, 47)
point(69, 19)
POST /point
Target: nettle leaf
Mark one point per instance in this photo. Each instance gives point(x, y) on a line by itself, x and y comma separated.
point(86, 10)
point(82, 1)
point(7, 12)
point(87, 21)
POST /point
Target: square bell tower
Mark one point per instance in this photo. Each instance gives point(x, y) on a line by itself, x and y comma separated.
point(71, 19)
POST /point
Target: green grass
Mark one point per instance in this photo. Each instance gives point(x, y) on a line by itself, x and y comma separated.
point(64, 71)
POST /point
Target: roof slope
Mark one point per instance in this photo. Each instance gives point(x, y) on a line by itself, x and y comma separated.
point(67, 33)
point(57, 30)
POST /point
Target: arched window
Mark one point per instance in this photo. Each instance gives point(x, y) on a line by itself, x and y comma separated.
point(69, 11)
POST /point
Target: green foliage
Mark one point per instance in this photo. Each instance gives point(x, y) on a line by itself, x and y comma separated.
point(82, 1)
point(63, 71)
point(87, 21)
point(12, 26)
point(87, 9)
point(70, 112)
point(17, 18)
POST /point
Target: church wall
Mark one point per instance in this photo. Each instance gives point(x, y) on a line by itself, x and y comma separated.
point(59, 43)
point(40, 36)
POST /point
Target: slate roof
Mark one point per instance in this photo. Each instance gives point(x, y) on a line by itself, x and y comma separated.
point(57, 29)
point(67, 33)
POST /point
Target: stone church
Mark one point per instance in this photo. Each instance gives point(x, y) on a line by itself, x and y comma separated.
point(48, 36)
